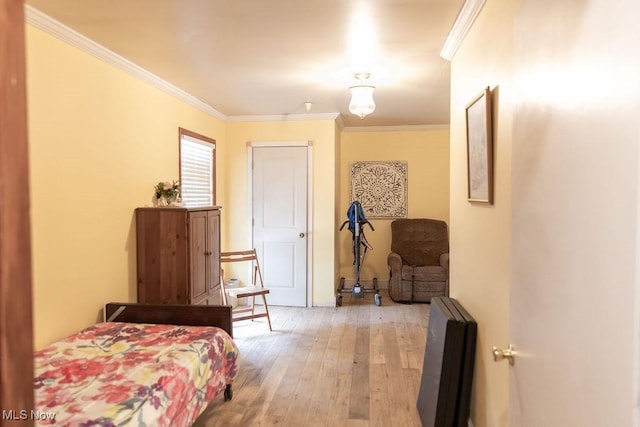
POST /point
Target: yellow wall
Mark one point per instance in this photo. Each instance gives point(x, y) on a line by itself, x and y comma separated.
point(99, 139)
point(427, 154)
point(337, 212)
point(236, 218)
point(480, 234)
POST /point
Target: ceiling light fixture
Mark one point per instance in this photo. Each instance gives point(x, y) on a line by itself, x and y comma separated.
point(362, 96)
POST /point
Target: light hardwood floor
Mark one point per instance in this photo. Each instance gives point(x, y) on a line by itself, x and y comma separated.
point(355, 365)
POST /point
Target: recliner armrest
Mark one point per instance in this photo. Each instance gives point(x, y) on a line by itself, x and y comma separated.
point(394, 261)
point(444, 261)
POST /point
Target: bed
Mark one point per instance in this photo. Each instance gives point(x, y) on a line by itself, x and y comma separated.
point(153, 365)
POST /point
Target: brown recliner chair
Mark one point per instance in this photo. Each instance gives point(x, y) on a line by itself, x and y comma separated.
point(419, 260)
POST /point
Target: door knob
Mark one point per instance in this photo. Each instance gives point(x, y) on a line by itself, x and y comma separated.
point(301, 234)
point(505, 353)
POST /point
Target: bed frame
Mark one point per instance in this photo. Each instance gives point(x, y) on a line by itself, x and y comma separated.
point(183, 315)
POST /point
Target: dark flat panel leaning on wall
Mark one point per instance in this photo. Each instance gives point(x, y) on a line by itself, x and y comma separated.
point(447, 372)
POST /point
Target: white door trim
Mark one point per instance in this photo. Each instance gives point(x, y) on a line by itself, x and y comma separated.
point(309, 145)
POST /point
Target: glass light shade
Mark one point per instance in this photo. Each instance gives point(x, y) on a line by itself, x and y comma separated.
point(362, 100)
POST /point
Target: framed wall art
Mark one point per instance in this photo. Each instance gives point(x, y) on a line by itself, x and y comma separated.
point(380, 187)
point(480, 148)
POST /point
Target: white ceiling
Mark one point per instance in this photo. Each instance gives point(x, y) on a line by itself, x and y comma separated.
point(267, 57)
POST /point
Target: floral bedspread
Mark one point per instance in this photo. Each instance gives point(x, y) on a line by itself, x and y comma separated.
point(114, 374)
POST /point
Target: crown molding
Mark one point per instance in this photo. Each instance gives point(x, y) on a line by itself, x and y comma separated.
point(404, 128)
point(461, 27)
point(49, 25)
point(284, 117)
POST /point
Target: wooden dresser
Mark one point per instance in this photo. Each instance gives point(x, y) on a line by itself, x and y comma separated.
point(178, 255)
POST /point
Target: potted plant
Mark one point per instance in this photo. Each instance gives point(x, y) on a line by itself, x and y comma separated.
point(167, 193)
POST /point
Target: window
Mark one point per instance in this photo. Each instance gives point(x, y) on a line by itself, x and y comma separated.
point(197, 169)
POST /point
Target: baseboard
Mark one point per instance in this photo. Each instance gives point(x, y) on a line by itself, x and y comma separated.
point(324, 304)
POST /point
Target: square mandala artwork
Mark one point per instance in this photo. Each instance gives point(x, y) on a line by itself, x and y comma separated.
point(380, 187)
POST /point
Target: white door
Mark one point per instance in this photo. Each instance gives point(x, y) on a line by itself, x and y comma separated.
point(575, 169)
point(279, 199)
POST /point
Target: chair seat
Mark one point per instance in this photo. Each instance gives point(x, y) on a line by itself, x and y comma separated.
point(247, 291)
point(256, 289)
point(424, 273)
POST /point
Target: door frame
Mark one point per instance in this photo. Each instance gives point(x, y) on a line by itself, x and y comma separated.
point(281, 144)
point(16, 280)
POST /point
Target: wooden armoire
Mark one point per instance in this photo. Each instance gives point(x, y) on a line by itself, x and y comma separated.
point(178, 255)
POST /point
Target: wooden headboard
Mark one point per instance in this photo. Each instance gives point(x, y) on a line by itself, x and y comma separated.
point(192, 315)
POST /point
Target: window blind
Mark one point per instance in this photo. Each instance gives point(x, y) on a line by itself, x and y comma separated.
point(196, 172)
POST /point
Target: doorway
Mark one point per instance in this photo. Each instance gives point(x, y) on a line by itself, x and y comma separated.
point(279, 201)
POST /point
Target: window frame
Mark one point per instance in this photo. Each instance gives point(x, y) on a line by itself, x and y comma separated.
point(186, 132)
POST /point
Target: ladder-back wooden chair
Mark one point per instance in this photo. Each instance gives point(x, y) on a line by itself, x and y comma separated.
point(250, 292)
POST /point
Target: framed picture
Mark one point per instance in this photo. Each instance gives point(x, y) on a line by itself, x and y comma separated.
point(381, 188)
point(480, 148)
